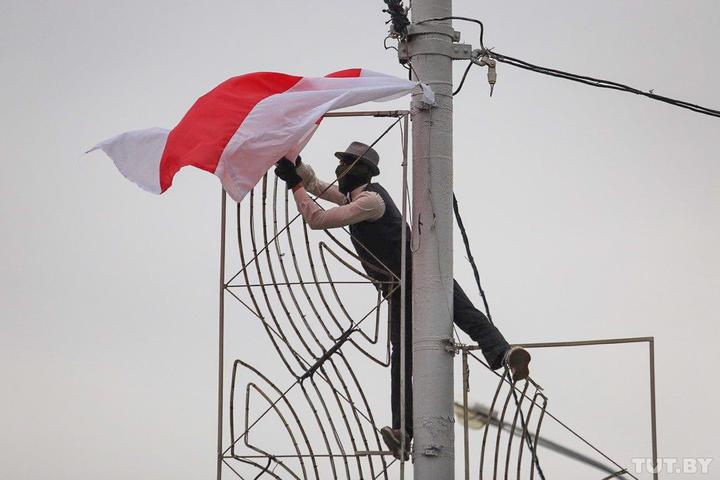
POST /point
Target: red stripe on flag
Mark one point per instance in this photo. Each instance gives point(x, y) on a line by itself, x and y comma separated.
point(202, 134)
point(351, 72)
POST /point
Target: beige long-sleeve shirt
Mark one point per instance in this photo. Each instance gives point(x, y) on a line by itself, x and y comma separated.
point(359, 206)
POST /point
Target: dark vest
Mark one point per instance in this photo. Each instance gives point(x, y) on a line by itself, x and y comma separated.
point(381, 240)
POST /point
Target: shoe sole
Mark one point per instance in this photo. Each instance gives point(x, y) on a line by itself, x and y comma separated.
point(518, 363)
point(392, 442)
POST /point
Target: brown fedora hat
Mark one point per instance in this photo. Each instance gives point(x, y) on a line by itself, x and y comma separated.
point(367, 155)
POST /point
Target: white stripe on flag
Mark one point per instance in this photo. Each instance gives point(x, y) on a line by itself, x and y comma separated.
point(279, 123)
point(137, 155)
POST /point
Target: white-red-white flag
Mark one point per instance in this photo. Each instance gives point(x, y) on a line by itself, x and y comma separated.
point(240, 128)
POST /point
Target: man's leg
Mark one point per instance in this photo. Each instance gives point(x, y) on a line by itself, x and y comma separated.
point(391, 435)
point(395, 369)
point(474, 322)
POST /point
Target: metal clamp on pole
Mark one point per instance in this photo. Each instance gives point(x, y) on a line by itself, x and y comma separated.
point(453, 347)
point(433, 46)
point(482, 58)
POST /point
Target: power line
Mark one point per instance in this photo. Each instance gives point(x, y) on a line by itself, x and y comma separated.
point(594, 82)
point(467, 19)
point(600, 83)
point(470, 257)
point(464, 76)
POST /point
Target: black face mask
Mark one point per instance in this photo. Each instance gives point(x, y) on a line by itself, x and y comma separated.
point(360, 174)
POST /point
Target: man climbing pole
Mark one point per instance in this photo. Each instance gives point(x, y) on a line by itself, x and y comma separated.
point(376, 228)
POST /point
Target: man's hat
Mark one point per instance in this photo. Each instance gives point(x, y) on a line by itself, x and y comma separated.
point(369, 156)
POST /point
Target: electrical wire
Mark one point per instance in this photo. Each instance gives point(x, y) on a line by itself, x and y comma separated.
point(587, 80)
point(467, 19)
point(600, 83)
point(462, 80)
point(470, 257)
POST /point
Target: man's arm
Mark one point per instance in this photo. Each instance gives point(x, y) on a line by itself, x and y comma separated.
point(366, 206)
point(317, 187)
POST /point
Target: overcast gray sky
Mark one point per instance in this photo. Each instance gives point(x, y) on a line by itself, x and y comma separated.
point(592, 213)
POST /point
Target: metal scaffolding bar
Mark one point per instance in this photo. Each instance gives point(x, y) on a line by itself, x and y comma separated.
point(221, 335)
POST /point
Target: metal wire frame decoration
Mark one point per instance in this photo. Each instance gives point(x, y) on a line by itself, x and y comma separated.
point(288, 281)
point(519, 411)
point(319, 423)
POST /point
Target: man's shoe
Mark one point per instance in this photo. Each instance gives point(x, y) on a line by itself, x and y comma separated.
point(517, 360)
point(393, 439)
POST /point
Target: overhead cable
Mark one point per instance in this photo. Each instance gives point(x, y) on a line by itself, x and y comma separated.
point(600, 83)
point(594, 82)
point(455, 17)
point(470, 257)
point(462, 80)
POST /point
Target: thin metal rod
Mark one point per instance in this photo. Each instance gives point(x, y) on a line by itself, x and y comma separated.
point(499, 430)
point(511, 437)
point(403, 301)
point(466, 426)
point(577, 343)
point(285, 284)
point(221, 336)
point(329, 418)
point(320, 426)
point(534, 465)
point(367, 453)
point(359, 453)
point(653, 419)
point(487, 425)
point(376, 113)
point(524, 432)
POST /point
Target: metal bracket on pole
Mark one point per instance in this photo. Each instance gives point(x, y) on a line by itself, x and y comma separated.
point(415, 29)
point(456, 51)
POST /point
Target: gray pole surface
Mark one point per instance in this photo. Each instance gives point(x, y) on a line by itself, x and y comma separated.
point(432, 289)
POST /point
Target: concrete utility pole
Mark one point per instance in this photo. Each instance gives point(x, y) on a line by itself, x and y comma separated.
point(429, 48)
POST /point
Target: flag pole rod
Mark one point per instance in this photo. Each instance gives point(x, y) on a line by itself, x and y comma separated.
point(372, 113)
point(221, 336)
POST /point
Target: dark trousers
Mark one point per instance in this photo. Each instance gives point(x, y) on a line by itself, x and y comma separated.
point(468, 318)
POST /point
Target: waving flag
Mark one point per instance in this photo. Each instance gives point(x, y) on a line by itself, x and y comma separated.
point(240, 128)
